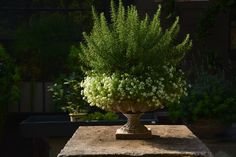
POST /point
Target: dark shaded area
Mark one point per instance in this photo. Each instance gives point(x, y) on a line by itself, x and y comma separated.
point(14, 144)
point(27, 133)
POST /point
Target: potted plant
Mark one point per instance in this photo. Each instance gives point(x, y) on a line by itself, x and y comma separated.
point(209, 107)
point(66, 95)
point(131, 66)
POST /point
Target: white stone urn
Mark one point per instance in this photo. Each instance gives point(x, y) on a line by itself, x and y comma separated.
point(133, 129)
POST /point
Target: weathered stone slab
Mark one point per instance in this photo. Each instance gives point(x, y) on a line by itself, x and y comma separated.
point(167, 141)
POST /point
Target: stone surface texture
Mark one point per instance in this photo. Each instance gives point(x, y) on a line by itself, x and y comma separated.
point(167, 141)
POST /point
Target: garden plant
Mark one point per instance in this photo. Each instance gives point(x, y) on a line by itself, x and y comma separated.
point(211, 96)
point(9, 85)
point(209, 107)
point(66, 96)
point(131, 64)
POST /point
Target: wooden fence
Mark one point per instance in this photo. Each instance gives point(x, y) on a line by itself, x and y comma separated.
point(35, 97)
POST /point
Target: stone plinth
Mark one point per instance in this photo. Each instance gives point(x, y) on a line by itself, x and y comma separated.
point(167, 141)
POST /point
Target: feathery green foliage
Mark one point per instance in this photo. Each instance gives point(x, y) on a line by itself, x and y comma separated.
point(130, 44)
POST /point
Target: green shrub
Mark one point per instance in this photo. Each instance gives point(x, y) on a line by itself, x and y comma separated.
point(9, 84)
point(101, 116)
point(210, 97)
point(66, 95)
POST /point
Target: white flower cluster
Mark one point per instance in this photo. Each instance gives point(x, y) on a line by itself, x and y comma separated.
point(152, 88)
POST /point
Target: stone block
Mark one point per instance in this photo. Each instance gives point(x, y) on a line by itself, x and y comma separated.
point(166, 141)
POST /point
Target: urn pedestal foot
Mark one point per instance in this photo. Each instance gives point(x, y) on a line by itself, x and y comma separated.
point(133, 129)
